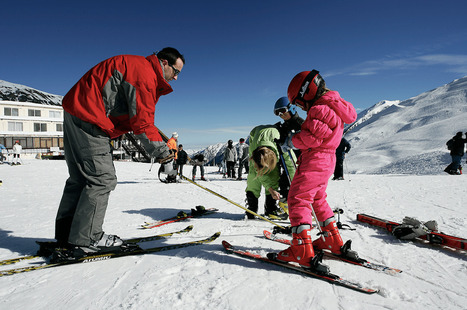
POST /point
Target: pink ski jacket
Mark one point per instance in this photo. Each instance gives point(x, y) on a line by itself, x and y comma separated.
point(324, 125)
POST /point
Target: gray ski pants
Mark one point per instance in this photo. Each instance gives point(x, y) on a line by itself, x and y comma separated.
point(88, 154)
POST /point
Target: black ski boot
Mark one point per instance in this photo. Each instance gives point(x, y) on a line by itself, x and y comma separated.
point(251, 204)
point(198, 211)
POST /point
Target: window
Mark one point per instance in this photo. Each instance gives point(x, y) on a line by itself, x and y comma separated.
point(59, 127)
point(32, 112)
point(40, 127)
point(10, 111)
point(15, 126)
point(55, 114)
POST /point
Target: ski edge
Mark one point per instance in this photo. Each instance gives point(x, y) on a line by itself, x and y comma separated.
point(331, 278)
point(107, 256)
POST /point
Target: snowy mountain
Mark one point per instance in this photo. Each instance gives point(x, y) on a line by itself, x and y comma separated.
point(16, 92)
point(408, 136)
point(213, 154)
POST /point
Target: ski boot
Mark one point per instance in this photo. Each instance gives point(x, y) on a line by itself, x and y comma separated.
point(198, 211)
point(181, 214)
point(284, 205)
point(332, 238)
point(287, 230)
point(271, 210)
point(276, 215)
point(251, 204)
point(301, 251)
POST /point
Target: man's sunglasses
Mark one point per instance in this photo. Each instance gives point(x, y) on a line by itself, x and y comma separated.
point(176, 71)
point(280, 112)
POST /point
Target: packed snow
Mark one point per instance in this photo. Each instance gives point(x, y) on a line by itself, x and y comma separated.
point(205, 276)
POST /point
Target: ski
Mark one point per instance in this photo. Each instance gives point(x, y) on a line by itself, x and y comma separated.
point(53, 245)
point(329, 277)
point(110, 255)
point(356, 261)
point(432, 237)
point(178, 218)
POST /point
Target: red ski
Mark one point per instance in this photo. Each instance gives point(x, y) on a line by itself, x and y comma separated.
point(433, 237)
point(178, 218)
point(329, 277)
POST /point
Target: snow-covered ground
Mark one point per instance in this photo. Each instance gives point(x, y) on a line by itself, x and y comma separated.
point(205, 277)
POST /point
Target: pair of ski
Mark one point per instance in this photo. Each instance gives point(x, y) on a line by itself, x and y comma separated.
point(433, 237)
point(136, 250)
point(181, 217)
point(329, 277)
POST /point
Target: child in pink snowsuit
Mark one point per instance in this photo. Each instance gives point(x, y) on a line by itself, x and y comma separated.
point(318, 139)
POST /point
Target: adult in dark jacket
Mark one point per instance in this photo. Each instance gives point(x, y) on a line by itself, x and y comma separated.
point(456, 146)
point(181, 160)
point(230, 157)
point(342, 149)
point(116, 96)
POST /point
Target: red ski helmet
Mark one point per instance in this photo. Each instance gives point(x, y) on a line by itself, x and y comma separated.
point(304, 87)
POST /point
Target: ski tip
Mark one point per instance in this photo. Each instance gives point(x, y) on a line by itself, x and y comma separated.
point(267, 233)
point(227, 246)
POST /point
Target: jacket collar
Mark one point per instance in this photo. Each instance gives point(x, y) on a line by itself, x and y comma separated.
point(163, 87)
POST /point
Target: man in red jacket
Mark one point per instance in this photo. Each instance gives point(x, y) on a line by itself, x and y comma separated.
point(116, 96)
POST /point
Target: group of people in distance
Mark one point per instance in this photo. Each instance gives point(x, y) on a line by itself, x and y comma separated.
point(119, 95)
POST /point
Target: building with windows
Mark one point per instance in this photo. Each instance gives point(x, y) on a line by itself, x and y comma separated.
point(38, 127)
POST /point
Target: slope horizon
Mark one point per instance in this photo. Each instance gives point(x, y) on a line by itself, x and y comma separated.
point(415, 130)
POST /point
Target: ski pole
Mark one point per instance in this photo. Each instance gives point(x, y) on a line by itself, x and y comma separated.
point(294, 163)
point(232, 202)
point(152, 163)
point(281, 155)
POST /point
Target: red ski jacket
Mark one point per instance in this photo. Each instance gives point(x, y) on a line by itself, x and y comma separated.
point(120, 95)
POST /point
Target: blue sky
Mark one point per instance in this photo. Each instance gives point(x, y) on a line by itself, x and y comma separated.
point(241, 55)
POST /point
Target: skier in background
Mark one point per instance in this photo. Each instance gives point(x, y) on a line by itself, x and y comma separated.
point(318, 139)
point(172, 144)
point(198, 161)
point(17, 149)
point(342, 149)
point(230, 157)
point(242, 150)
point(2, 147)
point(181, 160)
point(456, 147)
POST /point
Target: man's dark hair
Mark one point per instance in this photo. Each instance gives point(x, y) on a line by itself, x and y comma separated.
point(242, 140)
point(170, 54)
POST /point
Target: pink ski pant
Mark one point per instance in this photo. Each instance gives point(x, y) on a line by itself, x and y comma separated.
point(308, 188)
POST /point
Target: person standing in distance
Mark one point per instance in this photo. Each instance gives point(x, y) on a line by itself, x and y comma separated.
point(116, 96)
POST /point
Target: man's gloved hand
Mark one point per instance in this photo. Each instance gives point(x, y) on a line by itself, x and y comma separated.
point(288, 145)
point(161, 152)
point(169, 168)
